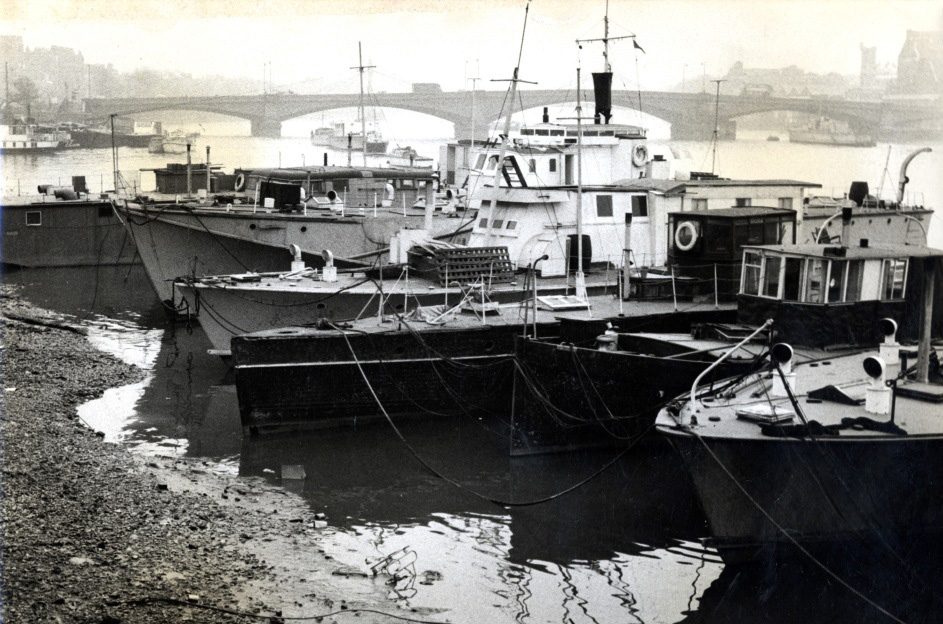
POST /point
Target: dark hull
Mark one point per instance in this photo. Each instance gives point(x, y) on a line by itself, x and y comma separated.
point(825, 493)
point(304, 378)
point(309, 379)
point(591, 398)
point(74, 233)
point(101, 140)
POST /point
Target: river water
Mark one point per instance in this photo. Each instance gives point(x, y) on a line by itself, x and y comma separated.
point(623, 547)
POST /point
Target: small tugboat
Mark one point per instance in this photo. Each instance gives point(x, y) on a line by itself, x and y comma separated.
point(802, 458)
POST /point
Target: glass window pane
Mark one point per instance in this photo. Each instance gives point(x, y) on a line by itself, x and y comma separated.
point(771, 277)
point(791, 279)
point(836, 281)
point(604, 205)
point(815, 275)
point(639, 206)
point(855, 275)
point(751, 273)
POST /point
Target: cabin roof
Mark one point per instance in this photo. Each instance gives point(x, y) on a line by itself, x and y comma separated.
point(740, 211)
point(330, 172)
point(679, 187)
point(873, 250)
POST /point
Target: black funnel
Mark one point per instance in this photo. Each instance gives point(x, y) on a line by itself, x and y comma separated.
point(602, 87)
point(858, 192)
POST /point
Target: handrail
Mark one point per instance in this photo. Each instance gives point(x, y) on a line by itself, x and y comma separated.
point(766, 325)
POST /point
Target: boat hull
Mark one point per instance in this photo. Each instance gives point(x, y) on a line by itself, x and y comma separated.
point(225, 312)
point(823, 492)
point(178, 242)
point(598, 398)
point(305, 379)
point(64, 233)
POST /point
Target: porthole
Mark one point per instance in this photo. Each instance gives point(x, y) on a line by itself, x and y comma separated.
point(252, 226)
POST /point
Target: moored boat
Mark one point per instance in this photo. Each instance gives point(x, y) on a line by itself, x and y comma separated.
point(351, 211)
point(63, 226)
point(802, 457)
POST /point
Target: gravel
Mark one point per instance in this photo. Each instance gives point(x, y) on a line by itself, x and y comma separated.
point(94, 533)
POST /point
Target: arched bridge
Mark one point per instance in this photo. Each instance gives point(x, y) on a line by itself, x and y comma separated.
point(691, 114)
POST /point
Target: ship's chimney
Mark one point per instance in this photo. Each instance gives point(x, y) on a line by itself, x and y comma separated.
point(546, 115)
point(602, 88)
point(846, 226)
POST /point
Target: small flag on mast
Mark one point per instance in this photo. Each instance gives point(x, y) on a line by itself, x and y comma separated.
point(637, 46)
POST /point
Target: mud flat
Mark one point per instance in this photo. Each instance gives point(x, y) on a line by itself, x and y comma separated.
point(94, 533)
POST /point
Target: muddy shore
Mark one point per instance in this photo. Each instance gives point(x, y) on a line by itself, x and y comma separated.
point(94, 533)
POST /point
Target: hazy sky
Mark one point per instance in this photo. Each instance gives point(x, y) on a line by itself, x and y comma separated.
point(311, 44)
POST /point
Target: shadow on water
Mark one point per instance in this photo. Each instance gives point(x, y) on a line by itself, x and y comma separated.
point(862, 585)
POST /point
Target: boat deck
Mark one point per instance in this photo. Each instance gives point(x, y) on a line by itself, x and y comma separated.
point(509, 314)
point(918, 408)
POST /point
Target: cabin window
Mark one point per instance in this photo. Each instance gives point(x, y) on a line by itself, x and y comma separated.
point(699, 204)
point(34, 217)
point(483, 223)
point(752, 263)
point(404, 184)
point(480, 163)
point(792, 278)
point(497, 224)
point(542, 132)
point(836, 281)
point(556, 133)
point(771, 276)
point(785, 203)
point(604, 205)
point(855, 275)
point(771, 233)
point(639, 206)
point(743, 202)
point(511, 225)
point(527, 132)
point(553, 165)
point(815, 276)
point(492, 162)
point(717, 237)
point(892, 279)
point(532, 165)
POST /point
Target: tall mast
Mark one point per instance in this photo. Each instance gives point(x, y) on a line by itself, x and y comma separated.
point(607, 67)
point(580, 278)
point(499, 167)
point(363, 122)
point(716, 123)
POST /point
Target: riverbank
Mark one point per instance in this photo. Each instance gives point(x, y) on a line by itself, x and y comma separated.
point(93, 533)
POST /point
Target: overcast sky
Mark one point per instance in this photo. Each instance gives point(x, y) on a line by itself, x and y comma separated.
point(311, 44)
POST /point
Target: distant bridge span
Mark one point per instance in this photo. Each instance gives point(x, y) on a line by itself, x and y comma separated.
point(691, 114)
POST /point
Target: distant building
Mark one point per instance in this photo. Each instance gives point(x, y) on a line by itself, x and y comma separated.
point(920, 63)
point(869, 67)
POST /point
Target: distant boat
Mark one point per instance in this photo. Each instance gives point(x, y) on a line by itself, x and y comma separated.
point(829, 132)
point(20, 137)
point(409, 157)
point(772, 137)
point(172, 143)
point(343, 138)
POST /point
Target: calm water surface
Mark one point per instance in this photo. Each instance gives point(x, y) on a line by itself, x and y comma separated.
point(624, 547)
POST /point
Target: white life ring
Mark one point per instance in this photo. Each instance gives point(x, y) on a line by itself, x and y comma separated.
point(639, 155)
point(240, 182)
point(686, 225)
